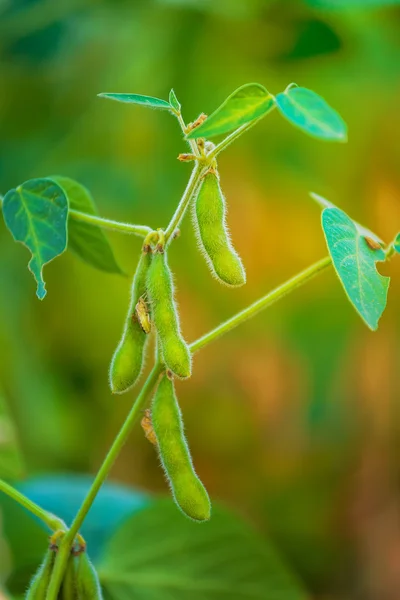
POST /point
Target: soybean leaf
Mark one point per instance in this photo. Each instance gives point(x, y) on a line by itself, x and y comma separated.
point(138, 99)
point(324, 203)
point(309, 112)
point(247, 103)
point(349, 4)
point(177, 558)
point(11, 464)
point(355, 264)
point(87, 240)
point(396, 243)
point(36, 214)
point(174, 102)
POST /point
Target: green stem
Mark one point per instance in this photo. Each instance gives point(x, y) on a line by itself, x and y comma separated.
point(185, 200)
point(261, 304)
point(52, 522)
point(192, 143)
point(141, 230)
point(68, 540)
point(234, 135)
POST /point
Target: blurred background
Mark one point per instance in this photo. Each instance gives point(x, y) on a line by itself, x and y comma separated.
point(298, 407)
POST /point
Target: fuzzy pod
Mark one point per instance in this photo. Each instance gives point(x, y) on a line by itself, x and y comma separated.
point(128, 360)
point(188, 491)
point(209, 219)
point(87, 580)
point(40, 581)
point(69, 590)
point(175, 352)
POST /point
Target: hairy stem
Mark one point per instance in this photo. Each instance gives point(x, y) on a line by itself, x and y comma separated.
point(68, 540)
point(185, 200)
point(52, 522)
point(261, 304)
point(141, 230)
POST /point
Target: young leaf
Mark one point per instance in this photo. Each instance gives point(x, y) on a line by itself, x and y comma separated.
point(179, 559)
point(138, 99)
point(36, 214)
point(247, 103)
point(174, 102)
point(355, 264)
point(87, 240)
point(308, 111)
point(11, 465)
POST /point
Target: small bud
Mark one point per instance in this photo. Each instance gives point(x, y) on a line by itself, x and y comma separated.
point(186, 157)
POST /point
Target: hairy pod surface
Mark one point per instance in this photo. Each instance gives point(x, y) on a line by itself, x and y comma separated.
point(40, 581)
point(127, 362)
point(209, 217)
point(69, 590)
point(174, 349)
point(188, 491)
point(87, 580)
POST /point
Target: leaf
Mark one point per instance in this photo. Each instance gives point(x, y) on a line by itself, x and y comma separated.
point(11, 464)
point(174, 102)
point(36, 214)
point(308, 111)
point(396, 243)
point(354, 262)
point(87, 240)
point(364, 231)
point(138, 99)
point(159, 555)
point(351, 4)
point(63, 495)
point(247, 103)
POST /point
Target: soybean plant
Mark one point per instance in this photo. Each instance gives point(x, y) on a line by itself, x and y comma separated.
point(50, 214)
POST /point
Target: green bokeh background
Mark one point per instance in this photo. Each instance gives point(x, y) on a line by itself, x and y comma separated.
point(293, 418)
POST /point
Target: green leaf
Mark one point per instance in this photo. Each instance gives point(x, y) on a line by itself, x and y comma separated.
point(157, 554)
point(138, 99)
point(247, 103)
point(36, 214)
point(355, 265)
point(11, 464)
point(396, 243)
point(351, 4)
point(174, 102)
point(87, 240)
point(308, 111)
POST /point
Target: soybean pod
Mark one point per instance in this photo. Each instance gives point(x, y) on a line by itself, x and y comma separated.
point(69, 589)
point(127, 362)
point(40, 581)
point(188, 491)
point(175, 352)
point(87, 580)
point(209, 219)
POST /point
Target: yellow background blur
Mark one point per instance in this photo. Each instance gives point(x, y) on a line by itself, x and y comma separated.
point(293, 419)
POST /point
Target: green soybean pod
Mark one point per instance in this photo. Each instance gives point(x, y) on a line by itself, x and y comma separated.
point(69, 590)
point(209, 219)
point(87, 580)
point(188, 491)
point(40, 581)
point(174, 349)
point(127, 362)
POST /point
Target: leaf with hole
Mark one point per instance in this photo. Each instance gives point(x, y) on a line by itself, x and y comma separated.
point(355, 264)
point(138, 99)
point(176, 558)
point(11, 464)
point(87, 240)
point(311, 113)
point(36, 215)
point(246, 104)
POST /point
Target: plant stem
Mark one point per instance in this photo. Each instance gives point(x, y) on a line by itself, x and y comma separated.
point(185, 200)
point(141, 230)
point(68, 540)
point(52, 522)
point(192, 143)
point(261, 304)
point(234, 135)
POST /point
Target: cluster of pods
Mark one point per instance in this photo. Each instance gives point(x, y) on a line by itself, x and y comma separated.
point(153, 304)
